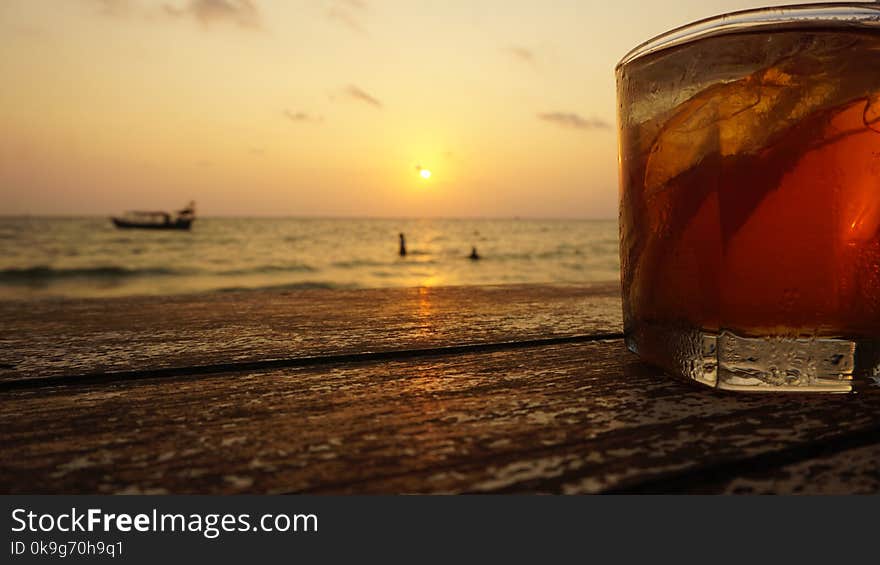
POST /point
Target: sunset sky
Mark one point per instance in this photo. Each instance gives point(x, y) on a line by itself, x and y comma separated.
point(310, 107)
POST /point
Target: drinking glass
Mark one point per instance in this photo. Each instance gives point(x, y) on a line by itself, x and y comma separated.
point(750, 199)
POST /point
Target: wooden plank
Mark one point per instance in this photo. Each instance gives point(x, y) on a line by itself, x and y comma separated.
point(573, 418)
point(853, 471)
point(65, 337)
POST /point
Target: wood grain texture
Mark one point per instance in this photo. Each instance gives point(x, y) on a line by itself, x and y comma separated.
point(70, 337)
point(573, 418)
point(852, 471)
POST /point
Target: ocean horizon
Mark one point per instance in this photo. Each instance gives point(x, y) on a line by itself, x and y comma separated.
point(86, 256)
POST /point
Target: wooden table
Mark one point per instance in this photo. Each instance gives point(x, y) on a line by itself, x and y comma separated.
point(460, 389)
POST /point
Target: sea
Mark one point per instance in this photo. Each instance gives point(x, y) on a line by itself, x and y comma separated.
point(43, 257)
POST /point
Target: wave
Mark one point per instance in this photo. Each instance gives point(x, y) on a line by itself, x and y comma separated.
point(44, 273)
point(267, 269)
point(355, 263)
point(304, 285)
point(562, 252)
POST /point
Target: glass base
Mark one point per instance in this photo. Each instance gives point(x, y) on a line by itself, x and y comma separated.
point(727, 361)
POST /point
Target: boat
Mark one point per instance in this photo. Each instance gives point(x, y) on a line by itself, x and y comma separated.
point(180, 220)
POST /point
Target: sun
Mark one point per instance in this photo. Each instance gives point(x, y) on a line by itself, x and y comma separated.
point(425, 173)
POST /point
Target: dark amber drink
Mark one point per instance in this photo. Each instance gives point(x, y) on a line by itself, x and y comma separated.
point(750, 199)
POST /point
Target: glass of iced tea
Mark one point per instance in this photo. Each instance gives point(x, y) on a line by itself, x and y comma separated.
point(750, 199)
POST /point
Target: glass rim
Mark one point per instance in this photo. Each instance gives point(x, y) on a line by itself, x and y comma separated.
point(843, 14)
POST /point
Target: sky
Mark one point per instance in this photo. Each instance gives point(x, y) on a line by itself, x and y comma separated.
point(319, 107)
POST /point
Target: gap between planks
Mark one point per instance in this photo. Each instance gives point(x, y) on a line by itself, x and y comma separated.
point(236, 367)
point(710, 479)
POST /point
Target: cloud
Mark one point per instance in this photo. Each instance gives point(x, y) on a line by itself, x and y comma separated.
point(355, 93)
point(573, 121)
point(113, 7)
point(345, 19)
point(522, 54)
point(302, 117)
point(348, 13)
point(243, 13)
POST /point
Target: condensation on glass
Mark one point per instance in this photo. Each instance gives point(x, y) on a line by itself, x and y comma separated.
point(750, 199)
